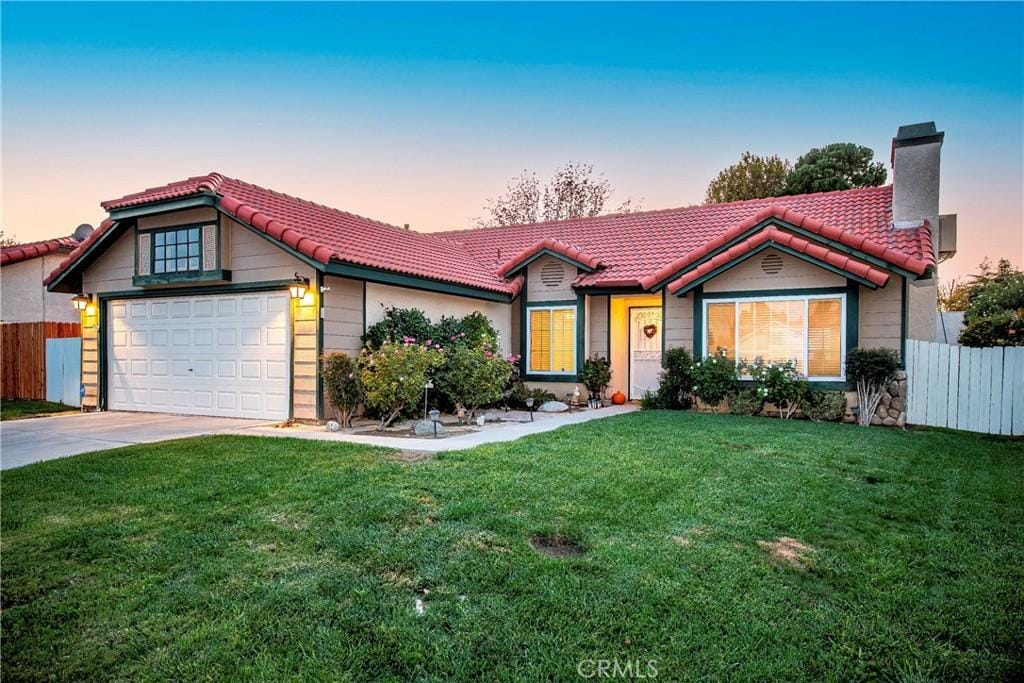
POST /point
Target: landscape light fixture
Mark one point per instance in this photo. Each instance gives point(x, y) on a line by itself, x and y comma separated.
point(80, 302)
point(529, 405)
point(298, 288)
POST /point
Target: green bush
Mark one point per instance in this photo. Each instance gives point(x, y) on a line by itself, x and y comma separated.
point(779, 384)
point(871, 370)
point(473, 376)
point(596, 375)
point(650, 401)
point(1004, 328)
point(825, 406)
point(714, 379)
point(393, 377)
point(675, 390)
point(398, 325)
point(995, 312)
point(340, 375)
point(520, 392)
point(746, 402)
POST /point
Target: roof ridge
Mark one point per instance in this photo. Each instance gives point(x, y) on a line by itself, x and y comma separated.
point(653, 212)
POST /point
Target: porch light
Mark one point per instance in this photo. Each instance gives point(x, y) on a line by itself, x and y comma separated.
point(80, 302)
point(298, 288)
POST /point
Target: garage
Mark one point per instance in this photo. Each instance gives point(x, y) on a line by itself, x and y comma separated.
point(225, 355)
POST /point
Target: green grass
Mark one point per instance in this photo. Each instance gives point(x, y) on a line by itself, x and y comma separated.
point(17, 409)
point(239, 557)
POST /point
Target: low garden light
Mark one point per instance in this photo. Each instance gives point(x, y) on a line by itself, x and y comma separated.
point(529, 406)
point(298, 288)
point(435, 415)
point(80, 302)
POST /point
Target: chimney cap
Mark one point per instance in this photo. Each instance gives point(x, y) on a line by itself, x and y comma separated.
point(915, 134)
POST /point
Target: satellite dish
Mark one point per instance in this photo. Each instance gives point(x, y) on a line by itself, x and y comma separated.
point(82, 231)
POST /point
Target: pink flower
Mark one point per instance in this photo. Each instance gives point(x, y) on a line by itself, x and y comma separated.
point(429, 342)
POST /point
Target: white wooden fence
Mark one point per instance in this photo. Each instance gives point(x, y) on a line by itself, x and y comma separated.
point(64, 370)
point(978, 390)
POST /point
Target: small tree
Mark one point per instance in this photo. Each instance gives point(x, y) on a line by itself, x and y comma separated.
point(872, 370)
point(596, 375)
point(714, 379)
point(474, 376)
point(340, 375)
point(393, 376)
point(753, 177)
point(839, 166)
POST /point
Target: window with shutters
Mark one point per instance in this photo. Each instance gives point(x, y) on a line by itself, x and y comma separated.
point(808, 330)
point(551, 340)
point(181, 253)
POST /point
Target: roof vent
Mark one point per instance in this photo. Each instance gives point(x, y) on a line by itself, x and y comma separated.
point(771, 264)
point(552, 274)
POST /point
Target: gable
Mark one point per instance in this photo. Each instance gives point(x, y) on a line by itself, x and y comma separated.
point(772, 269)
point(550, 279)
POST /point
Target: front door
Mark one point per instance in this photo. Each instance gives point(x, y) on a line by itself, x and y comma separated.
point(644, 350)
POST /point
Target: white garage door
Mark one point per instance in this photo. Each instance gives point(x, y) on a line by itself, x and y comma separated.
point(225, 355)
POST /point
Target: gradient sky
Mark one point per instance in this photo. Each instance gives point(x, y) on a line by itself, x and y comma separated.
point(417, 113)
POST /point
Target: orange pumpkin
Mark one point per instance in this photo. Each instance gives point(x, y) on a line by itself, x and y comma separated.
point(618, 398)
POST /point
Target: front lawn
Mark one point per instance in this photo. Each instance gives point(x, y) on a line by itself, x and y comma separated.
point(240, 557)
point(18, 408)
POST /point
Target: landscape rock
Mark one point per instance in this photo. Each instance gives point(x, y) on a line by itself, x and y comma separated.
point(893, 412)
point(901, 375)
point(881, 411)
point(889, 421)
point(899, 403)
point(492, 417)
point(901, 421)
point(886, 400)
point(554, 407)
point(426, 428)
point(894, 389)
point(875, 420)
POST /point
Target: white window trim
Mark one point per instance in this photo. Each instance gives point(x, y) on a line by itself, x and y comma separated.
point(529, 340)
point(841, 377)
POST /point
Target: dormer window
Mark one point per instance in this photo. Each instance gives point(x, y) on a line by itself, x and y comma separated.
point(176, 251)
point(182, 253)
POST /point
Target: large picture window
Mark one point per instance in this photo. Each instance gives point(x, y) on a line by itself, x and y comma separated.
point(808, 330)
point(551, 335)
point(176, 251)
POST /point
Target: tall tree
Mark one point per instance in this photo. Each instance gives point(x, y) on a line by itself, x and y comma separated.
point(839, 166)
point(574, 191)
point(754, 177)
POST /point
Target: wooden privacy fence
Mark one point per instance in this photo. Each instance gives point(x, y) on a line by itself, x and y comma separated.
point(23, 356)
point(978, 390)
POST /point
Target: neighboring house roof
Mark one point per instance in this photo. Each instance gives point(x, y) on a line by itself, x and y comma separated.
point(30, 250)
point(644, 249)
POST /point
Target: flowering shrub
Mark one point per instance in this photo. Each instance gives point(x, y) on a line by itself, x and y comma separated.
point(714, 379)
point(779, 384)
point(474, 376)
point(341, 380)
point(393, 376)
point(400, 323)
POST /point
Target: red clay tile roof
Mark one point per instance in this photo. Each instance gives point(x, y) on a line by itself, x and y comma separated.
point(771, 234)
point(567, 250)
point(79, 250)
point(624, 249)
point(24, 252)
point(636, 245)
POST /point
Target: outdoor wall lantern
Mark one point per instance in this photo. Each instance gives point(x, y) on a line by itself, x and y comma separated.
point(298, 288)
point(80, 302)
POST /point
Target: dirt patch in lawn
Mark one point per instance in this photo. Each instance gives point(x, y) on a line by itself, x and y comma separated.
point(686, 540)
point(556, 545)
point(410, 456)
point(874, 480)
point(789, 551)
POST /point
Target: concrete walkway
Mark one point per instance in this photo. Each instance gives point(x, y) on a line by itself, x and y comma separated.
point(46, 438)
point(497, 434)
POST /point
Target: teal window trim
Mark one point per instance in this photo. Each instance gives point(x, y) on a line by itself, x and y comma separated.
point(219, 275)
point(850, 296)
point(784, 249)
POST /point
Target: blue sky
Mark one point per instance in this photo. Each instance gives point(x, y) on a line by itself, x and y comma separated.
point(417, 113)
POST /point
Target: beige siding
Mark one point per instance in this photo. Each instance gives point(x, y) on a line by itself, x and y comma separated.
point(113, 270)
point(550, 279)
point(678, 322)
point(795, 274)
point(343, 315)
point(90, 356)
point(187, 217)
point(434, 305)
point(597, 325)
point(879, 312)
point(254, 258)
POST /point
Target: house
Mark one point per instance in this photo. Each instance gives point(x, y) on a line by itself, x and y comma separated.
point(23, 267)
point(214, 296)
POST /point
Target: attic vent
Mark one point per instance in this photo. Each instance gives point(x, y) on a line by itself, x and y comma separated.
point(552, 274)
point(771, 264)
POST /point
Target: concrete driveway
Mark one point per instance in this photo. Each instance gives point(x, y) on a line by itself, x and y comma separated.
point(46, 438)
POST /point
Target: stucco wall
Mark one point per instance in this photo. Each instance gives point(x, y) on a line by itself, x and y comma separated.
point(880, 311)
point(550, 279)
point(434, 305)
point(25, 299)
point(922, 297)
point(795, 274)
